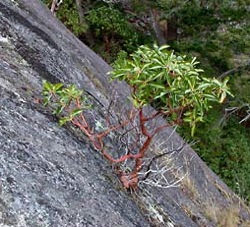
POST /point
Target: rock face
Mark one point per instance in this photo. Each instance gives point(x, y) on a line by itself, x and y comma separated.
point(50, 175)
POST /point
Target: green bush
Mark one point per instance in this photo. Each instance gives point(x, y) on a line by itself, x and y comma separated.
point(68, 14)
point(110, 22)
point(155, 75)
point(158, 76)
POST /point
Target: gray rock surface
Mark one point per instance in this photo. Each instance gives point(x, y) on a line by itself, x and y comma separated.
point(51, 175)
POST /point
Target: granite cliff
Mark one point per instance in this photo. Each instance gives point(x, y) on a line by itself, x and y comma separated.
point(51, 175)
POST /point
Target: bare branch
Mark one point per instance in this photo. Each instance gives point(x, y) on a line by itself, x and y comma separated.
point(162, 154)
point(231, 110)
point(234, 70)
point(55, 6)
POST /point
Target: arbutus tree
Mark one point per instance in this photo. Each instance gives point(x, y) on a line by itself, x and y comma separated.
point(173, 84)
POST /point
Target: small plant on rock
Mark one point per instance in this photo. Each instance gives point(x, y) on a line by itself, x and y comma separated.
point(157, 76)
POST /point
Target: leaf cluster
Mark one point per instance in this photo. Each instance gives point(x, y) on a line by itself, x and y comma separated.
point(68, 14)
point(110, 21)
point(61, 98)
point(157, 75)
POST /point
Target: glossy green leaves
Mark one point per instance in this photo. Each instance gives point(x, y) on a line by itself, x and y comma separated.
point(158, 76)
point(60, 98)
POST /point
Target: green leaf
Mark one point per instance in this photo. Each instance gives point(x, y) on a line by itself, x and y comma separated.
point(58, 110)
point(46, 85)
point(64, 120)
point(162, 47)
point(157, 85)
point(223, 96)
point(76, 112)
point(58, 86)
point(46, 101)
point(161, 95)
point(187, 119)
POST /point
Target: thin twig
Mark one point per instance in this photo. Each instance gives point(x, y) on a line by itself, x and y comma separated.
point(148, 172)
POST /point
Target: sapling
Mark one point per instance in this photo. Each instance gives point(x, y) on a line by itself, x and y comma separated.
point(157, 76)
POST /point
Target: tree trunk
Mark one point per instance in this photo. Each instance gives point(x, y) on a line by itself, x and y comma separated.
point(80, 11)
point(156, 27)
